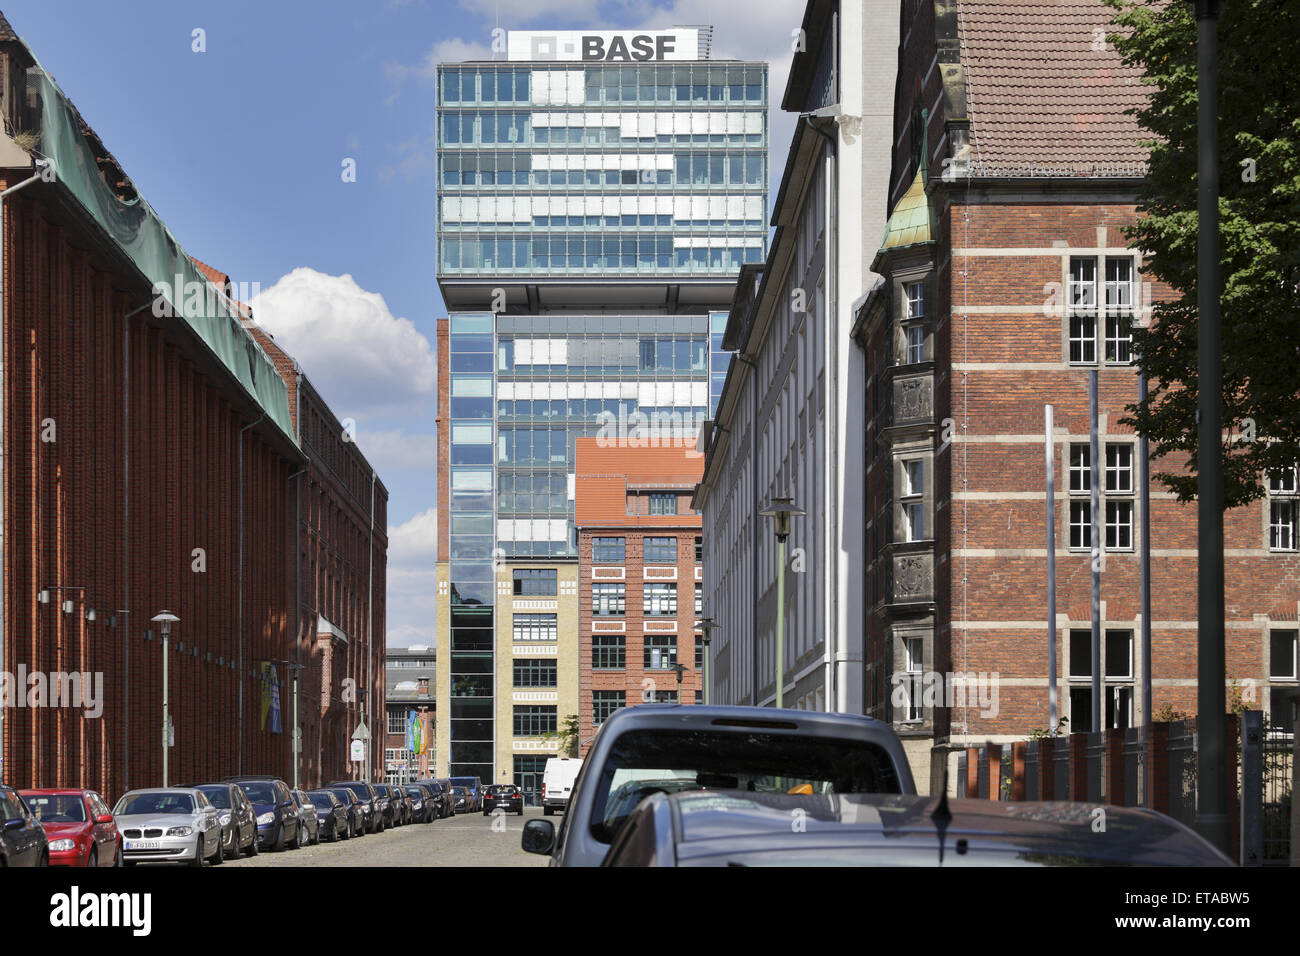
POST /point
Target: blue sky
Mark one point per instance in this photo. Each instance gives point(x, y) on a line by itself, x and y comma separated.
point(240, 149)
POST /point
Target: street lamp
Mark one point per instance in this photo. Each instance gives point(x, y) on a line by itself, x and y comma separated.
point(781, 510)
point(708, 625)
point(680, 669)
point(166, 619)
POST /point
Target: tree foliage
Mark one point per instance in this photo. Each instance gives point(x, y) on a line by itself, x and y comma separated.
point(1259, 207)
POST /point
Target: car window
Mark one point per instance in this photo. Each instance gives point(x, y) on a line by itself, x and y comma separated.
point(644, 762)
point(12, 808)
point(57, 808)
point(219, 797)
point(155, 803)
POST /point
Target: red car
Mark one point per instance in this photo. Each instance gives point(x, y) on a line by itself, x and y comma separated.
point(79, 826)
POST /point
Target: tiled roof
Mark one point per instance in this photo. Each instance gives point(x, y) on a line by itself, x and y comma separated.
point(1046, 93)
point(605, 471)
point(215, 276)
point(6, 31)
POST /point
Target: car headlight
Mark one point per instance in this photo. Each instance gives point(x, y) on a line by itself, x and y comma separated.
point(365, 808)
point(224, 818)
point(266, 818)
point(180, 831)
point(58, 846)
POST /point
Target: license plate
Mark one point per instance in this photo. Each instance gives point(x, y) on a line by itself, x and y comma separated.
point(143, 845)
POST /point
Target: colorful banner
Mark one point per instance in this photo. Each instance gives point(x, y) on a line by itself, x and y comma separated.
point(414, 733)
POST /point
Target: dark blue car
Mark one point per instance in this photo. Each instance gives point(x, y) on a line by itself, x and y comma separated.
point(22, 841)
point(277, 816)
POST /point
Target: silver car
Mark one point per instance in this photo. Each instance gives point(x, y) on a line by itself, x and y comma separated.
point(173, 823)
point(669, 748)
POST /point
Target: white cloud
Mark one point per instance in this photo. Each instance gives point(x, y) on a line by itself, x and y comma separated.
point(411, 599)
point(398, 450)
point(359, 356)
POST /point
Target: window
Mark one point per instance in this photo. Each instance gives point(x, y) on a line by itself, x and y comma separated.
point(533, 720)
point(1082, 298)
point(1282, 510)
point(660, 697)
point(660, 651)
point(608, 652)
point(608, 550)
point(1283, 675)
point(1119, 496)
point(914, 299)
point(660, 598)
point(913, 665)
point(1117, 679)
point(535, 581)
point(397, 720)
point(663, 504)
point(699, 550)
point(1119, 309)
point(608, 599)
point(912, 500)
point(699, 652)
point(699, 599)
point(535, 671)
point(605, 702)
point(534, 627)
point(660, 550)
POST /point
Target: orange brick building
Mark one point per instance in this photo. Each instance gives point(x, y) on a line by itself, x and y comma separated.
point(640, 574)
point(1006, 282)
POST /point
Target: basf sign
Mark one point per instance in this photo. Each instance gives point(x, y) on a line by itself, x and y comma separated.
point(596, 46)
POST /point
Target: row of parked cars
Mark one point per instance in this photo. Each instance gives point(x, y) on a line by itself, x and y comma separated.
point(213, 822)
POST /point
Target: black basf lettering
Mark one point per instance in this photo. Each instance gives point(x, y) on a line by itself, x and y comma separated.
point(643, 47)
point(663, 46)
point(593, 48)
point(617, 49)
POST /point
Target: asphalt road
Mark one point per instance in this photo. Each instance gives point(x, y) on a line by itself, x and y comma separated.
point(465, 840)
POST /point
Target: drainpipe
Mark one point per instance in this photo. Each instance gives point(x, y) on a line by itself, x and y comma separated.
point(4, 439)
point(239, 750)
point(370, 636)
point(297, 614)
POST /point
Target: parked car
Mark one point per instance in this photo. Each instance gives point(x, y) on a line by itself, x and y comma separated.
point(331, 816)
point(22, 841)
point(738, 828)
point(78, 825)
point(441, 798)
point(171, 823)
point(475, 788)
point(308, 823)
point(399, 804)
point(369, 799)
point(353, 808)
point(557, 782)
point(277, 815)
point(450, 791)
point(237, 816)
point(655, 748)
point(504, 795)
point(463, 798)
point(383, 806)
point(423, 808)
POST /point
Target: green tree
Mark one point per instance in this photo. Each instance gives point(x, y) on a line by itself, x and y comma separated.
point(567, 736)
point(1259, 150)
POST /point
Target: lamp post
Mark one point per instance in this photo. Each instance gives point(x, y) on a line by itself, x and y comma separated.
point(681, 669)
point(707, 625)
point(165, 618)
point(781, 510)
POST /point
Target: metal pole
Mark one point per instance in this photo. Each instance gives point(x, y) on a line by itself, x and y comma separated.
point(1144, 493)
point(1052, 705)
point(297, 747)
point(1094, 481)
point(165, 738)
point(1211, 803)
point(780, 619)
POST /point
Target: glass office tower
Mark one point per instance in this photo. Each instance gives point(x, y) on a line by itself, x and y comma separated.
point(592, 214)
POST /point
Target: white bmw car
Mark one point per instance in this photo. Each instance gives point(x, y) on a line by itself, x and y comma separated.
point(158, 825)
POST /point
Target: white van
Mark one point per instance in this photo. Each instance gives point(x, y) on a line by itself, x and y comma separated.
point(557, 782)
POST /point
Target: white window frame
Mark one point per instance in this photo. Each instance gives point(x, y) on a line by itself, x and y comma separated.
point(1117, 489)
point(914, 327)
point(1081, 308)
point(913, 668)
point(1283, 502)
point(912, 500)
point(1119, 293)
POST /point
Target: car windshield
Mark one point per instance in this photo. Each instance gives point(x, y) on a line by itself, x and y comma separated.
point(321, 800)
point(57, 808)
point(415, 792)
point(154, 803)
point(260, 792)
point(343, 794)
point(218, 796)
point(642, 762)
point(466, 782)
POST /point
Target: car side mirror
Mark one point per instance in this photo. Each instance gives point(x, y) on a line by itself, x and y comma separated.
point(104, 818)
point(14, 824)
point(538, 836)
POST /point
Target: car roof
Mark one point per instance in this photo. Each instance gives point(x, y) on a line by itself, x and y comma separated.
point(53, 791)
point(652, 715)
point(728, 821)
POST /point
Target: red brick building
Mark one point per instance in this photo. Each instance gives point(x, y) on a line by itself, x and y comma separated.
point(150, 462)
point(640, 574)
point(1006, 282)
